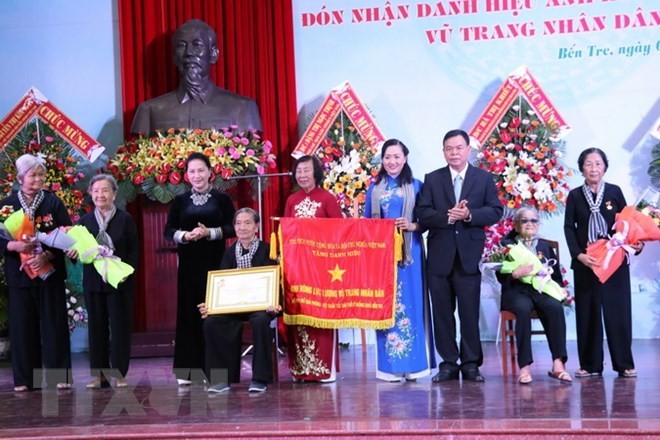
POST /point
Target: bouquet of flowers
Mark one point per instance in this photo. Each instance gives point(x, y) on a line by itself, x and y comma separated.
point(67, 170)
point(155, 166)
point(349, 164)
point(494, 236)
point(633, 224)
point(515, 255)
point(20, 227)
point(526, 158)
point(112, 270)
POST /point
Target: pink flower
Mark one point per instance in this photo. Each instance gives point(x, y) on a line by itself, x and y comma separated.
point(260, 169)
point(249, 152)
point(220, 151)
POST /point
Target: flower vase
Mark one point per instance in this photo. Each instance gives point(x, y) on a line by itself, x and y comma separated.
point(79, 340)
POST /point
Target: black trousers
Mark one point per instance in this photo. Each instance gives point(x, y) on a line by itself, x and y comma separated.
point(39, 335)
point(110, 322)
point(521, 300)
point(223, 338)
point(610, 303)
point(462, 289)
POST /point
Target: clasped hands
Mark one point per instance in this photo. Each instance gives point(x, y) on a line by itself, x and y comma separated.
point(27, 246)
point(204, 311)
point(198, 233)
point(459, 212)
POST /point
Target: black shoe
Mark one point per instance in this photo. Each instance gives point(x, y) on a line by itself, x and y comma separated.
point(445, 375)
point(218, 388)
point(472, 374)
point(257, 387)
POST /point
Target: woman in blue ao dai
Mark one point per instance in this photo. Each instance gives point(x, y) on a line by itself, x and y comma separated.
point(405, 350)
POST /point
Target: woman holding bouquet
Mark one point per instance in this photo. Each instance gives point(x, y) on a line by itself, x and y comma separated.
point(405, 350)
point(311, 350)
point(590, 214)
point(38, 325)
point(199, 222)
point(521, 298)
point(110, 310)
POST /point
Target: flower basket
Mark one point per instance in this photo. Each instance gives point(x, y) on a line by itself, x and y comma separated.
point(526, 158)
point(349, 163)
point(155, 166)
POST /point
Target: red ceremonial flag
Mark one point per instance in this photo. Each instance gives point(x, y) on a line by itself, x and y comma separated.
point(339, 273)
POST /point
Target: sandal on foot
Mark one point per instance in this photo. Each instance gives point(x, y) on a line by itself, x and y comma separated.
point(525, 378)
point(63, 386)
point(584, 373)
point(628, 373)
point(21, 389)
point(97, 384)
point(561, 376)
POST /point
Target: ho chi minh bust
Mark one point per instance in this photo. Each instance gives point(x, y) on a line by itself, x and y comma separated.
point(197, 102)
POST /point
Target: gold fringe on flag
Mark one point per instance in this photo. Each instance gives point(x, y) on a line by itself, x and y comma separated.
point(273, 239)
point(398, 245)
point(338, 323)
point(273, 246)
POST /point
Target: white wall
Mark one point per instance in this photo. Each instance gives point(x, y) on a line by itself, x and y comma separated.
point(69, 50)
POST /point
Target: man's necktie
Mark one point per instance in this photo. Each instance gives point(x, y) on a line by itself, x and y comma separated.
point(458, 185)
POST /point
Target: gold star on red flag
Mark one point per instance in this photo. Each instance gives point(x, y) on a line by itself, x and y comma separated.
point(337, 273)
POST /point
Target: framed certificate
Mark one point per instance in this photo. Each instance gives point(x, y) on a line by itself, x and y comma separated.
point(242, 290)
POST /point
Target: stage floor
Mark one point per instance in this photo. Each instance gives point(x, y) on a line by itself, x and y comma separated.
point(357, 405)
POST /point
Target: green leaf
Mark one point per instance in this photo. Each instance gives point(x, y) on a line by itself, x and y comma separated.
point(128, 190)
point(161, 194)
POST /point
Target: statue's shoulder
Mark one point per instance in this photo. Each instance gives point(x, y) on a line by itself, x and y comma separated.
point(166, 100)
point(226, 95)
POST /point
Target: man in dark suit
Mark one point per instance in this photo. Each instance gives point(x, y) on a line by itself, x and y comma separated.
point(456, 242)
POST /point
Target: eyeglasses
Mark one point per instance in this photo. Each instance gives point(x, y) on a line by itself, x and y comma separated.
point(457, 149)
point(534, 221)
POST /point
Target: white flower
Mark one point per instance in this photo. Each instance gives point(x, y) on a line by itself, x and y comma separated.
point(525, 121)
point(515, 107)
point(504, 124)
point(542, 189)
point(530, 112)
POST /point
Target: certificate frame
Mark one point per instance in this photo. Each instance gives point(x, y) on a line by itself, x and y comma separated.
point(242, 290)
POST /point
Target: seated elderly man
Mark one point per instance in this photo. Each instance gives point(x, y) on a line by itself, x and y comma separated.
point(521, 298)
point(223, 333)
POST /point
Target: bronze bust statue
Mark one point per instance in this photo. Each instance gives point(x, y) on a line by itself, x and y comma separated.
point(197, 102)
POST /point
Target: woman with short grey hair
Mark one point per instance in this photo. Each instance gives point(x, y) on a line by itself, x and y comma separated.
point(35, 274)
point(110, 309)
